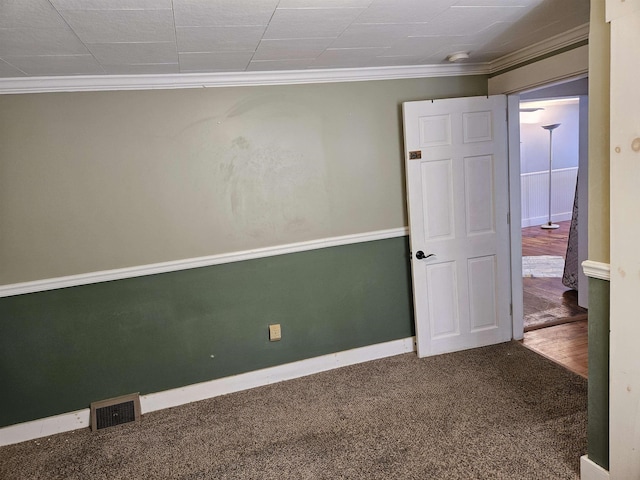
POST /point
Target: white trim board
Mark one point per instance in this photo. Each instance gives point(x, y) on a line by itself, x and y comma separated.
point(188, 263)
point(598, 270)
point(45, 427)
point(589, 470)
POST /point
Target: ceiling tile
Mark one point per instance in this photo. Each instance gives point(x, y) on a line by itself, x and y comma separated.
point(112, 4)
point(403, 11)
point(405, 4)
point(220, 13)
point(524, 37)
point(372, 35)
point(219, 39)
point(214, 61)
point(347, 57)
point(132, 53)
point(147, 69)
point(496, 3)
point(423, 46)
point(395, 61)
point(291, 49)
point(111, 26)
point(29, 14)
point(140, 36)
point(310, 22)
point(323, 3)
point(470, 20)
point(7, 70)
point(35, 41)
point(267, 65)
point(57, 65)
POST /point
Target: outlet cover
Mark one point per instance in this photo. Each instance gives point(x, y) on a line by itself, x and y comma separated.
point(275, 333)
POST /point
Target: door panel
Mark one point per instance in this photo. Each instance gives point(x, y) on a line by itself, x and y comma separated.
point(456, 164)
point(437, 204)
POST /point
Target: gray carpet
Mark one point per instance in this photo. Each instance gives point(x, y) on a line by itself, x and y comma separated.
point(498, 412)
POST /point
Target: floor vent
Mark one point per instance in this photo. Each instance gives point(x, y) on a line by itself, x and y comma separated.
point(115, 411)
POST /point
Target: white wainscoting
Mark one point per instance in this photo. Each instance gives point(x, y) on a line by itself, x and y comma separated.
point(534, 189)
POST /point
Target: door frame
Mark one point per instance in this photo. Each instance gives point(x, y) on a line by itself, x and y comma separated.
point(515, 206)
point(515, 215)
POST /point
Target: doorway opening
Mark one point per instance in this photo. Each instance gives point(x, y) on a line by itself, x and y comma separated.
point(552, 168)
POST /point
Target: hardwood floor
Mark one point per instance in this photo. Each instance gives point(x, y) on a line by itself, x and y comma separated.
point(548, 302)
point(565, 344)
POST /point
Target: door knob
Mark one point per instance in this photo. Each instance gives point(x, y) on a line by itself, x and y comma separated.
point(421, 256)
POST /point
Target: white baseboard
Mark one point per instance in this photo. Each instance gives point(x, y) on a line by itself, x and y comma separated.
point(45, 427)
point(590, 470)
point(556, 217)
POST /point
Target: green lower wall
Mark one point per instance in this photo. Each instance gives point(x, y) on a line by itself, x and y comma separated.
point(62, 349)
point(598, 423)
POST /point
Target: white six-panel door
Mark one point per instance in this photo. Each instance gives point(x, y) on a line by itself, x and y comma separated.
point(457, 189)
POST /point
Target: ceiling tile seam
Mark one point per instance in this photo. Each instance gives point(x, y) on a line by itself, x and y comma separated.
point(321, 8)
point(293, 38)
point(346, 28)
point(390, 23)
point(111, 9)
point(138, 64)
point(255, 50)
point(189, 52)
point(487, 7)
point(175, 33)
point(243, 25)
point(12, 65)
point(77, 36)
point(353, 48)
point(282, 60)
point(133, 42)
point(51, 55)
point(266, 27)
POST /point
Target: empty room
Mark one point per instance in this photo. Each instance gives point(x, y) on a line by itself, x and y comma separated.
point(276, 239)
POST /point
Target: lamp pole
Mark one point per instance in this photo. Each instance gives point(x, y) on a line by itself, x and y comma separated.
point(550, 128)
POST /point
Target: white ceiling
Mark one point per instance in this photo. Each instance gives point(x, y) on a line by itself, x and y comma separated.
point(111, 37)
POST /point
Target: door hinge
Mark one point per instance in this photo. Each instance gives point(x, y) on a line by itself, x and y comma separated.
point(508, 218)
point(511, 309)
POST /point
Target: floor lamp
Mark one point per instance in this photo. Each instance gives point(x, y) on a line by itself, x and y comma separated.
point(551, 128)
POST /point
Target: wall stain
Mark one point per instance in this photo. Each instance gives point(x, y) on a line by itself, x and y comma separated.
point(240, 142)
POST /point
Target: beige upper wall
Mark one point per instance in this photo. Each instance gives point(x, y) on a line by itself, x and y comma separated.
point(96, 181)
point(599, 62)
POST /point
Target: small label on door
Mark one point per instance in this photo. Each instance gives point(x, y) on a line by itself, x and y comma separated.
point(415, 155)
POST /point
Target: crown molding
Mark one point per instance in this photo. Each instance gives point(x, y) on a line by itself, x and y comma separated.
point(550, 45)
point(231, 79)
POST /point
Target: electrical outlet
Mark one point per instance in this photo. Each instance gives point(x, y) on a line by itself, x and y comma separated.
point(275, 333)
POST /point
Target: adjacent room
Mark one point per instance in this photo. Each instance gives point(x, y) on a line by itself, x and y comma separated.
point(553, 164)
